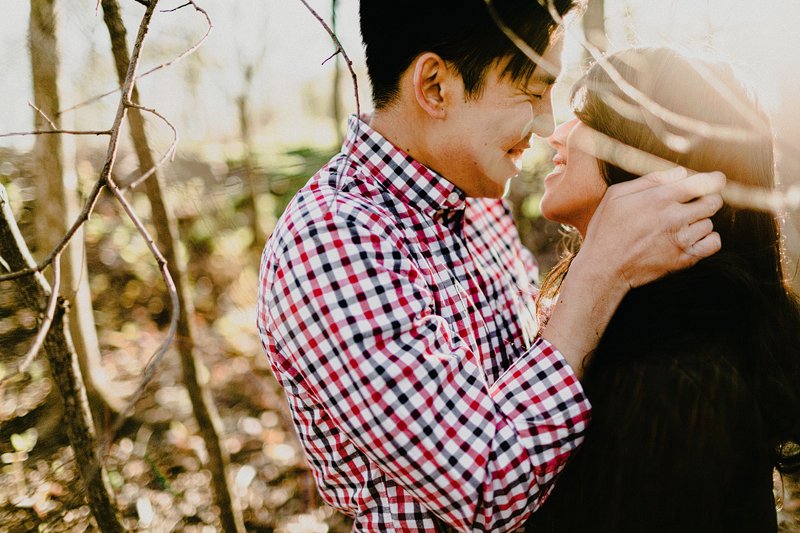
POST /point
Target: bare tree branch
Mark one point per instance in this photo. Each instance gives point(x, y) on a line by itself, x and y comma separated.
point(173, 296)
point(65, 371)
point(519, 42)
point(176, 8)
point(106, 178)
point(171, 62)
point(202, 402)
point(339, 50)
point(82, 217)
point(698, 128)
point(638, 162)
point(43, 115)
point(169, 155)
point(54, 132)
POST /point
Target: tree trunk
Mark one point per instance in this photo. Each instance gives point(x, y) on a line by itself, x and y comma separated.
point(57, 191)
point(166, 233)
point(66, 373)
point(594, 27)
point(248, 159)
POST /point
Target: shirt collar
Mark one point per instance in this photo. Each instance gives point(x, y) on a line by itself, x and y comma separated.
point(410, 181)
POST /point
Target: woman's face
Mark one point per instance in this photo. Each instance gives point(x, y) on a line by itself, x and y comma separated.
point(573, 190)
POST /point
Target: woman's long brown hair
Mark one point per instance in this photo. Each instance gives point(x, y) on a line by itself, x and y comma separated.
point(708, 93)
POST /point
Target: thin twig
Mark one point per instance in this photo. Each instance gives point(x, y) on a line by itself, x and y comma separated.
point(54, 132)
point(106, 177)
point(740, 195)
point(155, 359)
point(43, 115)
point(169, 155)
point(339, 50)
point(47, 321)
point(697, 127)
point(336, 53)
point(171, 62)
point(723, 91)
point(176, 8)
point(686, 123)
point(639, 162)
point(82, 217)
point(520, 43)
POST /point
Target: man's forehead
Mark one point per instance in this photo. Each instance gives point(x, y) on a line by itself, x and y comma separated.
point(546, 70)
point(548, 66)
point(549, 69)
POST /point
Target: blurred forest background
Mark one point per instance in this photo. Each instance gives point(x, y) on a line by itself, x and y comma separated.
point(186, 430)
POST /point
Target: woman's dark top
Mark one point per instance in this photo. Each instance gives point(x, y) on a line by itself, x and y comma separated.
point(676, 442)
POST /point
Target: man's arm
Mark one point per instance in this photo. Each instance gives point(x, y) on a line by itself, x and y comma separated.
point(354, 322)
point(642, 230)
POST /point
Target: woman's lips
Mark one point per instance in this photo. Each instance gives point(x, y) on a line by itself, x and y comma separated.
point(559, 164)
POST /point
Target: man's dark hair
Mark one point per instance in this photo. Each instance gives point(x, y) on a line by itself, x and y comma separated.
point(462, 32)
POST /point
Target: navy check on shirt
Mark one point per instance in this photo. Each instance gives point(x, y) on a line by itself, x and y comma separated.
point(398, 315)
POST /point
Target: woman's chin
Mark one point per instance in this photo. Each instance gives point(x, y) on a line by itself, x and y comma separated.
point(552, 213)
point(545, 209)
point(554, 174)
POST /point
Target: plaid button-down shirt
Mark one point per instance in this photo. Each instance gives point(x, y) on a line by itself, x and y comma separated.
point(398, 315)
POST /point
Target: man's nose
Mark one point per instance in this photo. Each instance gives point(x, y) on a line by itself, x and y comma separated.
point(543, 125)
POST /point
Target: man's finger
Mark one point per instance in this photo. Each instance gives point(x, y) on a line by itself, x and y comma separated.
point(695, 232)
point(697, 185)
point(705, 247)
point(701, 208)
point(654, 179)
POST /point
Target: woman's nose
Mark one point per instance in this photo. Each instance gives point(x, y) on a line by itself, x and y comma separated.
point(559, 135)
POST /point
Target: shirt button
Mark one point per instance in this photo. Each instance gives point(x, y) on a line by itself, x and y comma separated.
point(453, 197)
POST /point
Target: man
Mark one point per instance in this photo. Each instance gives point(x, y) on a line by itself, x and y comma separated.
point(397, 305)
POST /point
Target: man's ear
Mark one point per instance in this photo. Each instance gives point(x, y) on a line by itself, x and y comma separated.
point(430, 79)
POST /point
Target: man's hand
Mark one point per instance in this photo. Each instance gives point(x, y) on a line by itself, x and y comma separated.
point(642, 230)
point(655, 224)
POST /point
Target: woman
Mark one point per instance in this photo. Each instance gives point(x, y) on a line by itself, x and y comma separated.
point(695, 385)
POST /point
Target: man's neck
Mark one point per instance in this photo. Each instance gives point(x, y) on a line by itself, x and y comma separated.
point(404, 131)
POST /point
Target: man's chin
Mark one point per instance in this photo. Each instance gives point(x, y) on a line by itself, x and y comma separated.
point(499, 188)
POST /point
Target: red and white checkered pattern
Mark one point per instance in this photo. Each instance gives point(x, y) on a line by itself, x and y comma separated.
point(399, 317)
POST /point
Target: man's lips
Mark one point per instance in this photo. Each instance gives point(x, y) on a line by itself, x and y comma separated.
point(519, 149)
point(520, 146)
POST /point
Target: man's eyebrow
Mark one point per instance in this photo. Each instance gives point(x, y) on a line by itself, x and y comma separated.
point(545, 78)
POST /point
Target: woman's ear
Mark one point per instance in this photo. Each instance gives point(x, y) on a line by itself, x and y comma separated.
point(430, 79)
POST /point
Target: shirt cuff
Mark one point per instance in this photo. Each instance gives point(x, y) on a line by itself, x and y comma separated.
point(545, 402)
